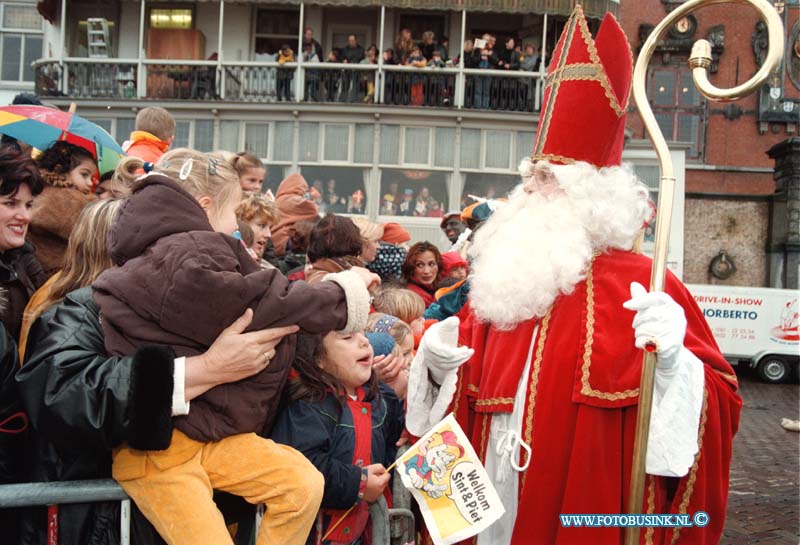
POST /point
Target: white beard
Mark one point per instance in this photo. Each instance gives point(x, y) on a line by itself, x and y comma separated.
point(537, 247)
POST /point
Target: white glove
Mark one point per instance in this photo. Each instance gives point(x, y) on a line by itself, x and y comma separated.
point(441, 351)
point(658, 319)
point(433, 376)
point(416, 480)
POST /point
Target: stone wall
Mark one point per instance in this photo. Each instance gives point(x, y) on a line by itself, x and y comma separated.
point(737, 226)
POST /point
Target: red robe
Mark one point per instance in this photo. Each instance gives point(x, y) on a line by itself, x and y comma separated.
point(580, 412)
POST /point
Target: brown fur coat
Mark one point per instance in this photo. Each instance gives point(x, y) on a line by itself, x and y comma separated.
point(55, 212)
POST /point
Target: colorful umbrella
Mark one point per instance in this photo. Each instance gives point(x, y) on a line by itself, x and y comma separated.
point(41, 127)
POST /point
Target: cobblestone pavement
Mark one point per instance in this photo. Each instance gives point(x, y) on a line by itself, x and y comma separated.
point(764, 498)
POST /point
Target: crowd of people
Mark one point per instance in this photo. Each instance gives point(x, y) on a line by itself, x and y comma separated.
point(429, 51)
point(214, 349)
point(126, 356)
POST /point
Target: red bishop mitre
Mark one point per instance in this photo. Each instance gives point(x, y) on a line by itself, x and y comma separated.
point(586, 94)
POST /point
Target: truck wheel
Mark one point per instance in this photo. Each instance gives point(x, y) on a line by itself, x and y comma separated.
point(773, 369)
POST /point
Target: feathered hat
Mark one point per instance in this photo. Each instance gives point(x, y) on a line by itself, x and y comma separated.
point(586, 95)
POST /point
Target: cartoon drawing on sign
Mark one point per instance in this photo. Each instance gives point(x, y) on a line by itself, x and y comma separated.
point(428, 469)
point(789, 327)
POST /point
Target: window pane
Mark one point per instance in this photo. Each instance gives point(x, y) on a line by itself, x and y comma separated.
point(390, 144)
point(688, 96)
point(283, 141)
point(413, 193)
point(364, 139)
point(21, 17)
point(12, 53)
point(309, 141)
point(525, 141)
point(663, 90)
point(337, 140)
point(445, 147)
point(666, 124)
point(489, 186)
point(181, 134)
point(498, 149)
point(229, 135)
point(125, 126)
point(688, 131)
point(256, 139)
point(33, 51)
point(418, 145)
point(338, 190)
point(470, 148)
point(204, 135)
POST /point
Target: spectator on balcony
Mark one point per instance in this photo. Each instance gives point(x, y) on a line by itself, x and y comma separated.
point(21, 273)
point(312, 76)
point(508, 58)
point(353, 53)
point(417, 60)
point(308, 40)
point(390, 93)
point(331, 79)
point(468, 54)
point(428, 45)
point(250, 169)
point(483, 83)
point(153, 134)
point(530, 60)
point(285, 75)
point(67, 171)
point(369, 77)
point(444, 48)
point(292, 205)
point(403, 46)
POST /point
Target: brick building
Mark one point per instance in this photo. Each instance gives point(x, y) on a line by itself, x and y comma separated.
point(731, 204)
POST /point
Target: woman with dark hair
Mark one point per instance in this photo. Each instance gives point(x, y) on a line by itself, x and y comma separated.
point(334, 246)
point(68, 172)
point(20, 272)
point(421, 270)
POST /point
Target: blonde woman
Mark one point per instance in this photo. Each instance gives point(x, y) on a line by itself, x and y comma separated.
point(371, 234)
point(85, 259)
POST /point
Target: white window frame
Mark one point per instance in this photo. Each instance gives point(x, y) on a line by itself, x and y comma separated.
point(23, 33)
point(291, 39)
point(351, 129)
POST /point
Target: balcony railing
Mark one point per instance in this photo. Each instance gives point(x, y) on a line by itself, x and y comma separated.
point(291, 82)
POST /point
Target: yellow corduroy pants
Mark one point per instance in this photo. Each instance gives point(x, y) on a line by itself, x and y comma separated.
point(173, 488)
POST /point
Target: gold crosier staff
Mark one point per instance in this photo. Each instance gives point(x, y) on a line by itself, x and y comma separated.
point(699, 61)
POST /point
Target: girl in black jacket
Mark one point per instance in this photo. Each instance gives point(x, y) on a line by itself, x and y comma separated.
point(346, 424)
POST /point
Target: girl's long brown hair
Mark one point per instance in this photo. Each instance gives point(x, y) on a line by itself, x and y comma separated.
point(313, 384)
point(87, 255)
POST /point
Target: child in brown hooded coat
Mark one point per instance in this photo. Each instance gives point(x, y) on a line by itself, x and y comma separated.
point(179, 279)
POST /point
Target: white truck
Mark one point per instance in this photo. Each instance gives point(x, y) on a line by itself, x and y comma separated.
point(760, 326)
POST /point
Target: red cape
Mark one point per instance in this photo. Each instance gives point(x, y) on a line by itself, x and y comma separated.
point(580, 411)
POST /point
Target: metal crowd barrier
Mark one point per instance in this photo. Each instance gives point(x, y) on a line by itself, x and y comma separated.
point(385, 527)
point(56, 493)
